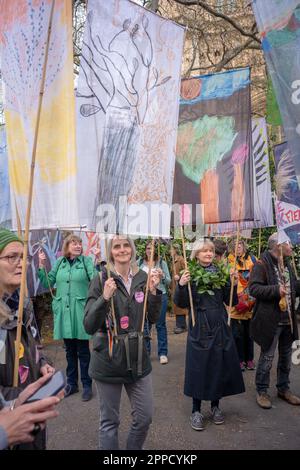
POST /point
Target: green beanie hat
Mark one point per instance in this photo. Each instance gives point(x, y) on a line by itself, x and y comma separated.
point(7, 237)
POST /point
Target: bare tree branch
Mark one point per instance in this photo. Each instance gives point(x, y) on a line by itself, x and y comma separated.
point(217, 14)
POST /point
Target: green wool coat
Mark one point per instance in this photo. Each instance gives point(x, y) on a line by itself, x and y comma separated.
point(72, 283)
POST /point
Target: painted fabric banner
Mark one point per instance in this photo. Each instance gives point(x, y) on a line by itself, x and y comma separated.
point(23, 34)
point(50, 241)
point(213, 161)
point(5, 208)
point(229, 230)
point(92, 245)
point(287, 204)
point(279, 25)
point(263, 208)
point(127, 116)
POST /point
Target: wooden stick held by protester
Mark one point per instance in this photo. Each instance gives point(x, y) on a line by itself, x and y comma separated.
point(29, 204)
point(259, 242)
point(111, 300)
point(282, 277)
point(189, 284)
point(147, 284)
point(234, 268)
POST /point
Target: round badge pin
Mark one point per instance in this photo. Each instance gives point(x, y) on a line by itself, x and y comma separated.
point(124, 322)
point(139, 297)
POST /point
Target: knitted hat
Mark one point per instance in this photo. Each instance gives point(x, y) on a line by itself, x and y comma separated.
point(7, 237)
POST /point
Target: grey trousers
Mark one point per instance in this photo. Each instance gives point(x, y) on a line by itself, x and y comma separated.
point(284, 339)
point(140, 395)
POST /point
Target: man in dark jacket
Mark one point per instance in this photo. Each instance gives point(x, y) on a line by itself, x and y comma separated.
point(275, 288)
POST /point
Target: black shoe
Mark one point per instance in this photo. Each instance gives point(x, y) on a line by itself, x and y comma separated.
point(87, 394)
point(70, 390)
point(179, 330)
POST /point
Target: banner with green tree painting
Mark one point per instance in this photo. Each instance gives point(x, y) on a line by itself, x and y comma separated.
point(213, 157)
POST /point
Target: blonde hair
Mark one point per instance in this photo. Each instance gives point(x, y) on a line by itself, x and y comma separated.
point(121, 237)
point(199, 245)
point(232, 243)
point(67, 241)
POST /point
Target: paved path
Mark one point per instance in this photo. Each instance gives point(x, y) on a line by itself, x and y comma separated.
point(246, 426)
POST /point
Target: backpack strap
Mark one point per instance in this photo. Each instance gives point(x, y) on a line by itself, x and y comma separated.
point(85, 268)
point(50, 288)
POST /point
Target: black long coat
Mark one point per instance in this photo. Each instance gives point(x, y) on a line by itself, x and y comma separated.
point(212, 365)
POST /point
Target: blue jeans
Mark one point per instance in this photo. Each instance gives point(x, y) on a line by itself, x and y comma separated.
point(78, 349)
point(181, 321)
point(283, 337)
point(244, 344)
point(161, 328)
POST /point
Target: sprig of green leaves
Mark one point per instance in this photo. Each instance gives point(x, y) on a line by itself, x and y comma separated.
point(207, 281)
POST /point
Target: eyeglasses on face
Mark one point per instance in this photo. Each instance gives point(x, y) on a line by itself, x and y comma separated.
point(14, 259)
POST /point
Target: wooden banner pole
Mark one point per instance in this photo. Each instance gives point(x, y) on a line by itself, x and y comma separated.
point(189, 284)
point(147, 284)
point(259, 242)
point(234, 267)
point(108, 276)
point(28, 211)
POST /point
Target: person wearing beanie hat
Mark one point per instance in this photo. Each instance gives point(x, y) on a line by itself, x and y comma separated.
point(6, 237)
point(32, 364)
point(11, 254)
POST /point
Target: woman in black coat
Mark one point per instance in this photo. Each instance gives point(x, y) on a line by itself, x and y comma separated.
point(212, 364)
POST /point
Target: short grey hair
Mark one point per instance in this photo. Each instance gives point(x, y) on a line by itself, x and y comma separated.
point(199, 245)
point(273, 241)
point(121, 237)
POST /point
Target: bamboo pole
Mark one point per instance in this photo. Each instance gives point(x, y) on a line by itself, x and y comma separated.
point(111, 300)
point(147, 284)
point(28, 211)
point(234, 267)
point(294, 266)
point(19, 227)
point(281, 269)
point(189, 284)
point(173, 268)
point(259, 242)
point(173, 261)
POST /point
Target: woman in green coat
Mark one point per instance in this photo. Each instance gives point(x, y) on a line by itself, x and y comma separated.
point(72, 274)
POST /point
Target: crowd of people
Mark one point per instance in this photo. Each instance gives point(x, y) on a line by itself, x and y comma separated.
point(249, 300)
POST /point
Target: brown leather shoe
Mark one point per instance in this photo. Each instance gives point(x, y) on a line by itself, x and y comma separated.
point(264, 401)
point(289, 397)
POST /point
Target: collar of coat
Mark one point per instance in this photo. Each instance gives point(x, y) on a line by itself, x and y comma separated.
point(133, 267)
point(75, 260)
point(138, 275)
